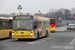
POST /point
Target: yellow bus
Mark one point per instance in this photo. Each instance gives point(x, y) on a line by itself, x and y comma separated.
point(30, 27)
point(5, 27)
point(52, 24)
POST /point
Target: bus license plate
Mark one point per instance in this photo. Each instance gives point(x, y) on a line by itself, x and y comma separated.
point(22, 36)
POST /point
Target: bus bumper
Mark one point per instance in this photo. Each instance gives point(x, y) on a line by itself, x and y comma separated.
point(24, 36)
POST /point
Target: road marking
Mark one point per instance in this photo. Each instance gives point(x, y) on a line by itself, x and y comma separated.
point(45, 40)
point(40, 40)
point(72, 41)
point(30, 43)
point(3, 41)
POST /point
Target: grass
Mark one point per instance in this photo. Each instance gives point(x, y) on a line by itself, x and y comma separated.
point(59, 25)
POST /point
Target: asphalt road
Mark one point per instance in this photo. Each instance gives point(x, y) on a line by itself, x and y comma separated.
point(55, 41)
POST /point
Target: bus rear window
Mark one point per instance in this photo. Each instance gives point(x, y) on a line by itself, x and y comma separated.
point(52, 21)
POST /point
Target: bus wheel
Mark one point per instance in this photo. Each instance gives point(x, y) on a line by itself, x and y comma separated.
point(38, 36)
point(19, 39)
point(10, 35)
point(46, 33)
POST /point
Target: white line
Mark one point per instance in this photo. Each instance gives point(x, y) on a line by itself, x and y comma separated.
point(72, 41)
point(5, 41)
point(31, 43)
point(40, 40)
point(44, 40)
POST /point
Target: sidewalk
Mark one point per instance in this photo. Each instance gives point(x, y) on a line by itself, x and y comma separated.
point(62, 28)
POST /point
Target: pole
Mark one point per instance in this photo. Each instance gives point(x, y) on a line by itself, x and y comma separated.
point(19, 11)
point(19, 8)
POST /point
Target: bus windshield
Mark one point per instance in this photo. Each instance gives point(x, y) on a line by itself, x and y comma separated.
point(52, 21)
point(22, 24)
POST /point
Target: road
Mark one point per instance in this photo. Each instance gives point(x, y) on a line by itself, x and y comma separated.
point(62, 28)
point(55, 41)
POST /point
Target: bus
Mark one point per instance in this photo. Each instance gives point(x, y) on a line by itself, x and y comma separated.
point(52, 24)
point(5, 27)
point(30, 27)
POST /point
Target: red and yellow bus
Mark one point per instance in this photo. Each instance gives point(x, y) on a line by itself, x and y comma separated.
point(52, 24)
point(5, 27)
point(30, 27)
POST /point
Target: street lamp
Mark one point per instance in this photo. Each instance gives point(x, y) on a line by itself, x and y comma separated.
point(39, 12)
point(19, 8)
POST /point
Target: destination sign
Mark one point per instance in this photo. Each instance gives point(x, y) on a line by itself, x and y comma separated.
point(22, 17)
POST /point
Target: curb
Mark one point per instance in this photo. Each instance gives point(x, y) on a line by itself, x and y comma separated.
point(64, 31)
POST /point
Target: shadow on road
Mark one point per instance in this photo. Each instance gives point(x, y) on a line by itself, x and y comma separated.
point(53, 31)
point(4, 39)
point(26, 40)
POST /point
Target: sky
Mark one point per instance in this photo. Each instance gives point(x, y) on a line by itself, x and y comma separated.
point(32, 6)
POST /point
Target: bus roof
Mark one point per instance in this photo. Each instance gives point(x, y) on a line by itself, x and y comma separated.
point(52, 18)
point(35, 17)
point(22, 15)
point(5, 18)
point(43, 18)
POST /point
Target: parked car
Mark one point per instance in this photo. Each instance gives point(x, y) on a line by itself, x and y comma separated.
point(71, 27)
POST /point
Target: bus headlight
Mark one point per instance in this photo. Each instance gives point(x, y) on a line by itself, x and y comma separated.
point(30, 34)
point(14, 34)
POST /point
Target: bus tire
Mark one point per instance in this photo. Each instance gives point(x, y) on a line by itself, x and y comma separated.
point(19, 39)
point(38, 36)
point(46, 33)
point(10, 35)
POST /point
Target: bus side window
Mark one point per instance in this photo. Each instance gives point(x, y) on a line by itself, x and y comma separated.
point(0, 25)
point(3, 25)
point(10, 24)
point(40, 24)
point(34, 24)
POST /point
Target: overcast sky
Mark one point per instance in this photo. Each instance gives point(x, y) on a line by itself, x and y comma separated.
point(32, 6)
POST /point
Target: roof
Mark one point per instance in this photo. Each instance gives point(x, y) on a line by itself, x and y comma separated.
point(4, 18)
point(41, 18)
point(71, 24)
point(35, 17)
